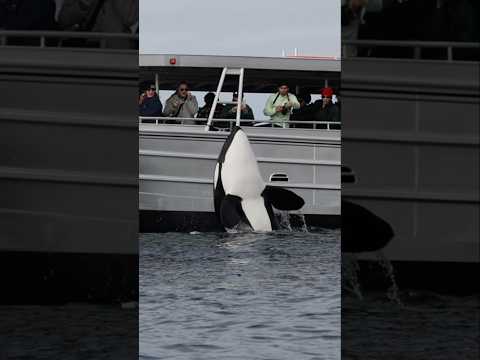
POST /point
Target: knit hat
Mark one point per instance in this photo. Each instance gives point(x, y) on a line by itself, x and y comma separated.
point(327, 92)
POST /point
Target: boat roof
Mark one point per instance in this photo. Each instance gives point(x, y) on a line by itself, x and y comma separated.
point(262, 74)
point(300, 63)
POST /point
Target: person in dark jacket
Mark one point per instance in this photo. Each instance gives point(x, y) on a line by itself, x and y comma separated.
point(204, 111)
point(325, 109)
point(305, 113)
point(246, 112)
point(149, 103)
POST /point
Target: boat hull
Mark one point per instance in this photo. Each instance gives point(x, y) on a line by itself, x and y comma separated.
point(177, 163)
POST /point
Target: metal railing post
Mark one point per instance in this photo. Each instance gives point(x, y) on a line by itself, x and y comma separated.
point(240, 97)
point(417, 52)
point(215, 101)
point(450, 53)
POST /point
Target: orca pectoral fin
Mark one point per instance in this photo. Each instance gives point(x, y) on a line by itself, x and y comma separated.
point(283, 199)
point(231, 211)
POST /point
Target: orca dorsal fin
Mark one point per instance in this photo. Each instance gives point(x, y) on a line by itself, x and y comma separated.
point(231, 211)
point(282, 199)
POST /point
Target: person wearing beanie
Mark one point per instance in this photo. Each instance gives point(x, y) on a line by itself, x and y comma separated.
point(149, 103)
point(325, 109)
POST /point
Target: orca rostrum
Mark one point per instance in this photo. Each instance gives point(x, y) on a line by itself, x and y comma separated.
point(240, 194)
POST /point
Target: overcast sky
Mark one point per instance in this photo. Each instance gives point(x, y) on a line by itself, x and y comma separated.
point(244, 27)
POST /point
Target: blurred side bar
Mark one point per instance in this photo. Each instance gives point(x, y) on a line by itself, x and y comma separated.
point(411, 135)
point(68, 170)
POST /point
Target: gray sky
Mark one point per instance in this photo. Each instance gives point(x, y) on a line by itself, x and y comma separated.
point(245, 27)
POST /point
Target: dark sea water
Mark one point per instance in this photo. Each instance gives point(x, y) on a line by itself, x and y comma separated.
point(71, 332)
point(401, 323)
point(240, 296)
point(248, 296)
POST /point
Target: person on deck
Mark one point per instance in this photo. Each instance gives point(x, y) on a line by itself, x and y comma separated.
point(280, 105)
point(325, 109)
point(181, 104)
point(246, 112)
point(204, 111)
point(149, 103)
point(304, 113)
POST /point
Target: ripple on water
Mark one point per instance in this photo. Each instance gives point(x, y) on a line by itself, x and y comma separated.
point(240, 296)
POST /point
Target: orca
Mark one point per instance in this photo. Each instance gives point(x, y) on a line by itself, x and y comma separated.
point(240, 194)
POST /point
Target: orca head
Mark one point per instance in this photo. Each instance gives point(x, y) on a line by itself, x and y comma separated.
point(238, 185)
point(239, 168)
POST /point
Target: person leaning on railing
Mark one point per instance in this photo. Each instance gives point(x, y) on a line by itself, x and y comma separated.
point(182, 104)
point(304, 113)
point(324, 109)
point(204, 111)
point(246, 112)
point(280, 105)
point(149, 103)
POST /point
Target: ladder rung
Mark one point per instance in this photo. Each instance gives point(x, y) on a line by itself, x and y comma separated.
point(233, 71)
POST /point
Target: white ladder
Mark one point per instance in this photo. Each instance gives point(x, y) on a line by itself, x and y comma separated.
point(228, 71)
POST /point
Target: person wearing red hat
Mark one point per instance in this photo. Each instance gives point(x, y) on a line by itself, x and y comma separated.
point(325, 109)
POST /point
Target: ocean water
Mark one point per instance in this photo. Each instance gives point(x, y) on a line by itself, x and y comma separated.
point(69, 332)
point(240, 296)
point(426, 325)
point(401, 323)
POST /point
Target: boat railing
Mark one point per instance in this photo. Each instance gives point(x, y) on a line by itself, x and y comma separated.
point(417, 46)
point(324, 125)
point(57, 39)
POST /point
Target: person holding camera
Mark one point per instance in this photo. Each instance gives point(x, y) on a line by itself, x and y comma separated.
point(182, 104)
point(280, 105)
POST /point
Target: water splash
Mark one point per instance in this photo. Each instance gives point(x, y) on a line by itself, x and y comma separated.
point(350, 271)
point(303, 224)
point(291, 222)
point(386, 265)
point(284, 220)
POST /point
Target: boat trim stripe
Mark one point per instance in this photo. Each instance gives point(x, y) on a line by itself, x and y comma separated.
point(192, 180)
point(259, 159)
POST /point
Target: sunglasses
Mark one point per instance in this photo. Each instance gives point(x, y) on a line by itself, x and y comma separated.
point(183, 89)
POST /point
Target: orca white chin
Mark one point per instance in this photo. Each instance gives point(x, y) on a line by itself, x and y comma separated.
point(240, 194)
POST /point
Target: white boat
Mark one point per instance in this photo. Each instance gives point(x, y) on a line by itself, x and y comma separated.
point(177, 161)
